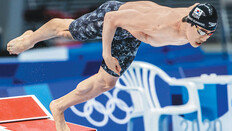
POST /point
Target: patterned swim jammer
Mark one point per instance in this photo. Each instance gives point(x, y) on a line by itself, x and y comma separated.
point(89, 26)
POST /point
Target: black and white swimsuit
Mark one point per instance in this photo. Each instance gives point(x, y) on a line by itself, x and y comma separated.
point(89, 26)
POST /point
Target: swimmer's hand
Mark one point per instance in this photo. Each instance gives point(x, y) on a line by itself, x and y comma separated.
point(20, 44)
point(113, 64)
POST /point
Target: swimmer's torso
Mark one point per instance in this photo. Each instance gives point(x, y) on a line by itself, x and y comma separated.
point(145, 19)
point(158, 23)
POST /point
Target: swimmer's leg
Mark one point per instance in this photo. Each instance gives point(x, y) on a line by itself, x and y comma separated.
point(85, 90)
point(53, 28)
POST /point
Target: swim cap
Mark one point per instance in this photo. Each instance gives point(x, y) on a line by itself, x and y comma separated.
point(204, 15)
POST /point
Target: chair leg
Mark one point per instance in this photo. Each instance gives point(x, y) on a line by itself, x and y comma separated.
point(151, 121)
point(130, 125)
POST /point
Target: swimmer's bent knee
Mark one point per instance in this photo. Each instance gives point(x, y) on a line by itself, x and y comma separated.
point(59, 25)
point(108, 85)
point(106, 88)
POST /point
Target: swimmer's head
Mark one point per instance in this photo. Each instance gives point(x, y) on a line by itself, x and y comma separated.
point(204, 15)
point(203, 21)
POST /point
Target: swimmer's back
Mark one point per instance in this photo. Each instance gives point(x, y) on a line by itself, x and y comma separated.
point(143, 6)
point(152, 7)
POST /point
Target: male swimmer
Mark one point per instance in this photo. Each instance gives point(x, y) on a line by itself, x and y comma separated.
point(122, 27)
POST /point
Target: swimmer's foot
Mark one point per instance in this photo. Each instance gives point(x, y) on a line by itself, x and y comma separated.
point(21, 43)
point(58, 117)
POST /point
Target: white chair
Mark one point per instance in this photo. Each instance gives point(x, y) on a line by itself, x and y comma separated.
point(139, 81)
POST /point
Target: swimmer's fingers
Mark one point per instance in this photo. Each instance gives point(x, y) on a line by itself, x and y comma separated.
point(118, 70)
point(112, 64)
point(117, 66)
point(114, 68)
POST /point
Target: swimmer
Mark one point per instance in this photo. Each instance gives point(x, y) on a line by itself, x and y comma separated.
point(122, 27)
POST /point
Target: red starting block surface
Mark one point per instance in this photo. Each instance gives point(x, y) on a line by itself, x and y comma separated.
point(22, 108)
point(26, 113)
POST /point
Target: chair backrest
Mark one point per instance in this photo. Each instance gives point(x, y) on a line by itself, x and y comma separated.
point(141, 77)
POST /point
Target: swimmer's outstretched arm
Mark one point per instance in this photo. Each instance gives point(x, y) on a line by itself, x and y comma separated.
point(53, 28)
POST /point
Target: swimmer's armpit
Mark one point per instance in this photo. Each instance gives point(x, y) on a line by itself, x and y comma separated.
point(142, 37)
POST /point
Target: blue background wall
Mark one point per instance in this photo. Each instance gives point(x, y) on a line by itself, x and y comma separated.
point(50, 80)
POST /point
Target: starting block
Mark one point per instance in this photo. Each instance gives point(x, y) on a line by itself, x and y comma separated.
point(26, 113)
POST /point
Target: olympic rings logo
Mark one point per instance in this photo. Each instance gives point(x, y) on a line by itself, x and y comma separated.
point(107, 111)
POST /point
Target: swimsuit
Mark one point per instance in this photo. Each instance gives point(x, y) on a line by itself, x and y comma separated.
point(89, 26)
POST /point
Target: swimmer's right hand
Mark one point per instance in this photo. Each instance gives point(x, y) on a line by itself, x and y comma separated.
point(113, 64)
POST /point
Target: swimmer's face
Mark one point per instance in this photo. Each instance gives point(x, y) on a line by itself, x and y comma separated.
point(197, 35)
